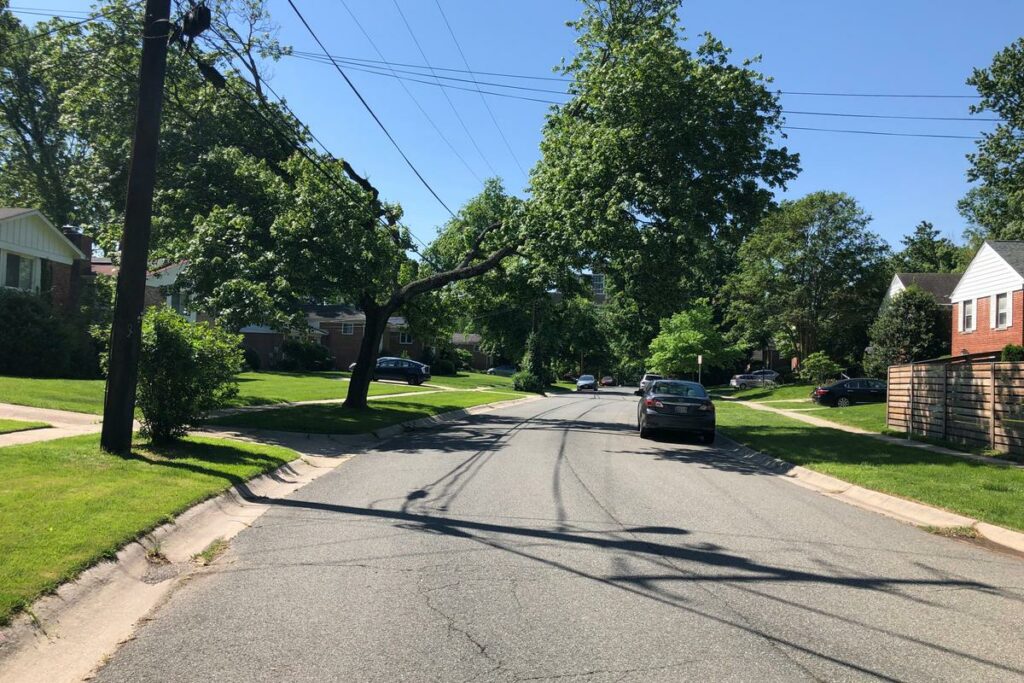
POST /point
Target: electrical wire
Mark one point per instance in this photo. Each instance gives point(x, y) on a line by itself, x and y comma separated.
point(369, 109)
point(886, 133)
point(99, 14)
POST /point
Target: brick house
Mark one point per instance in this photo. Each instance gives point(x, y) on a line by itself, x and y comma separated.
point(36, 256)
point(471, 342)
point(988, 302)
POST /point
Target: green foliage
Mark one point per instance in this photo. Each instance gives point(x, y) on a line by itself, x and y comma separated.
point(465, 358)
point(528, 381)
point(303, 355)
point(185, 370)
point(818, 367)
point(535, 358)
point(995, 205)
point(1012, 353)
point(442, 366)
point(810, 279)
point(910, 327)
point(925, 252)
point(686, 335)
point(251, 359)
point(37, 342)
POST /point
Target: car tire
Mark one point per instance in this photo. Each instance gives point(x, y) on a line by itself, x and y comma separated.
point(707, 437)
point(843, 402)
point(645, 432)
point(742, 387)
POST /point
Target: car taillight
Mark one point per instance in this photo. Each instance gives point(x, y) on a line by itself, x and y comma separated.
point(706, 407)
point(820, 392)
point(653, 403)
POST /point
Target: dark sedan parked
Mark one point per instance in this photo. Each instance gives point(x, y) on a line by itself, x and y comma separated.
point(401, 369)
point(849, 391)
point(675, 405)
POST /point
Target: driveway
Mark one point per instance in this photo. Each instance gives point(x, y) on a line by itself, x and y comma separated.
point(546, 541)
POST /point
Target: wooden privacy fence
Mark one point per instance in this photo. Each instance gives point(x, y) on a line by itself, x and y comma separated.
point(977, 404)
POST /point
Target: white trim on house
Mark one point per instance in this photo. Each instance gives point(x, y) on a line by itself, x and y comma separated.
point(987, 274)
point(32, 234)
point(36, 275)
point(962, 325)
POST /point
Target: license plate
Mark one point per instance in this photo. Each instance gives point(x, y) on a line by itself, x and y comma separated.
point(682, 409)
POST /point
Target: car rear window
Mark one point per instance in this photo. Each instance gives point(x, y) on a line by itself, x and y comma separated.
point(586, 378)
point(680, 389)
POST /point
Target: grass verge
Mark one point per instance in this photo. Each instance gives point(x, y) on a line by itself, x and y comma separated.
point(76, 395)
point(9, 426)
point(65, 504)
point(991, 493)
point(333, 418)
point(785, 392)
point(266, 388)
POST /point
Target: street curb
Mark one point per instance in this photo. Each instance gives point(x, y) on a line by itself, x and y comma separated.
point(909, 511)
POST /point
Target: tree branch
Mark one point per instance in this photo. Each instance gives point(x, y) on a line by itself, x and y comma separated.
point(474, 249)
point(438, 280)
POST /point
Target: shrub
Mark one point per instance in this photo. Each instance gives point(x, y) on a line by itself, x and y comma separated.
point(185, 370)
point(251, 359)
point(442, 366)
point(818, 367)
point(527, 381)
point(300, 355)
point(36, 342)
point(1013, 352)
point(465, 358)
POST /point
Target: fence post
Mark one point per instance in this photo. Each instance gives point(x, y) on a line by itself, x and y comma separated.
point(991, 408)
point(910, 406)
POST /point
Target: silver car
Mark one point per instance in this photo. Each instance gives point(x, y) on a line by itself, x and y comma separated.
point(645, 382)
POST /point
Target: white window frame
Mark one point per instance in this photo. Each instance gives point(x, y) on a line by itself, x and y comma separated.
point(37, 270)
point(183, 302)
point(596, 278)
point(404, 338)
point(348, 328)
point(963, 316)
point(1008, 297)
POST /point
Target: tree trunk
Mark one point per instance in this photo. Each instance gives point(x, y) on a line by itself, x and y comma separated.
point(362, 375)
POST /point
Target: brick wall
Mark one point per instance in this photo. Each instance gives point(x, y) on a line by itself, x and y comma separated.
point(344, 347)
point(267, 346)
point(984, 339)
point(60, 289)
point(393, 347)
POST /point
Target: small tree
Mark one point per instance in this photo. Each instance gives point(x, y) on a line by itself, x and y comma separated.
point(818, 367)
point(185, 370)
point(910, 327)
point(1012, 353)
point(534, 374)
point(686, 335)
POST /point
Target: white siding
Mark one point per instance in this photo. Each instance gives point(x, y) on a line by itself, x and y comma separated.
point(988, 274)
point(31, 235)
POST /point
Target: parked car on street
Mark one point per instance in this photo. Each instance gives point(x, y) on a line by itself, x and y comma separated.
point(849, 391)
point(747, 381)
point(401, 369)
point(503, 370)
point(586, 382)
point(768, 375)
point(678, 406)
point(607, 381)
point(645, 381)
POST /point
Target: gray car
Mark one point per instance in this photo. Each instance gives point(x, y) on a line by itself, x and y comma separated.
point(677, 406)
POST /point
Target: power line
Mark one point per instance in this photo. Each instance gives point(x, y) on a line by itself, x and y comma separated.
point(880, 132)
point(368, 108)
point(893, 116)
point(882, 95)
point(483, 99)
point(99, 14)
point(408, 92)
point(451, 104)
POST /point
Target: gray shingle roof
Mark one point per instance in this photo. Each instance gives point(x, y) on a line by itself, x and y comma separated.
point(1012, 252)
point(11, 212)
point(939, 285)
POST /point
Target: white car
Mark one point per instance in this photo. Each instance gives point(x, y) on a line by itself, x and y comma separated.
point(645, 382)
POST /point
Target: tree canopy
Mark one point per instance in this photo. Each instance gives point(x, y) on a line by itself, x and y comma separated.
point(910, 327)
point(686, 335)
point(924, 251)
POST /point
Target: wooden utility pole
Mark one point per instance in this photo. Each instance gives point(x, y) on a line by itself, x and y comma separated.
point(126, 331)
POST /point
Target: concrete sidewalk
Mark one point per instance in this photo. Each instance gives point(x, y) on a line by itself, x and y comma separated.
point(62, 423)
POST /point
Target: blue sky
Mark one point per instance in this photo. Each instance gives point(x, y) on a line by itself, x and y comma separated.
point(869, 46)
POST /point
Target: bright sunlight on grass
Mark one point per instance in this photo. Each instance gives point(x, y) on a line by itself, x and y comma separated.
point(77, 395)
point(991, 493)
point(65, 504)
point(9, 426)
point(264, 388)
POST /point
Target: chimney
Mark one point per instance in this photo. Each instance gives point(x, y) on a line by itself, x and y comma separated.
point(79, 239)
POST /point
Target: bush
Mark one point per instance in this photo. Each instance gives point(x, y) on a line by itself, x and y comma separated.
point(818, 367)
point(442, 366)
point(527, 381)
point(1013, 352)
point(251, 359)
point(185, 370)
point(300, 355)
point(36, 342)
point(465, 358)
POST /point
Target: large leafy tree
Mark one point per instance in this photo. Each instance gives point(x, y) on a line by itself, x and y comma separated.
point(811, 277)
point(910, 327)
point(995, 207)
point(924, 251)
point(687, 335)
point(662, 162)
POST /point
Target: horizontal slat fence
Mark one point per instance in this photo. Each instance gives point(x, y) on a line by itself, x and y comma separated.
point(976, 404)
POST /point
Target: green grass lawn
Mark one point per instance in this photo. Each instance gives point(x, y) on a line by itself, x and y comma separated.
point(472, 380)
point(78, 395)
point(867, 416)
point(336, 419)
point(263, 388)
point(784, 392)
point(987, 492)
point(8, 426)
point(65, 504)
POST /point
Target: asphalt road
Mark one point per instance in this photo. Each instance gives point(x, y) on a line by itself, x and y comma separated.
point(546, 541)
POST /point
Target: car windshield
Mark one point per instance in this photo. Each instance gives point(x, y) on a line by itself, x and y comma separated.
point(684, 389)
point(586, 378)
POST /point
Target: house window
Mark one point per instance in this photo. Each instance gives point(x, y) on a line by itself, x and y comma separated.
point(20, 271)
point(968, 315)
point(348, 328)
point(404, 338)
point(598, 283)
point(1002, 310)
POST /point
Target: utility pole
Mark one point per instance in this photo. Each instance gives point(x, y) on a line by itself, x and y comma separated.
point(126, 331)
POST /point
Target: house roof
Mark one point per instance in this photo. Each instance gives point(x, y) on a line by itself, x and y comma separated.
point(59, 241)
point(1011, 251)
point(346, 313)
point(11, 212)
point(461, 338)
point(939, 285)
point(103, 266)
